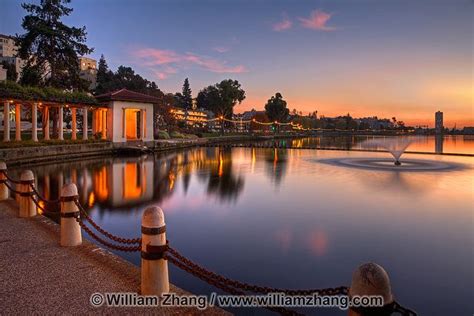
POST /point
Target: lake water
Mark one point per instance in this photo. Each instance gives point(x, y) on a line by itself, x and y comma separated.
point(283, 218)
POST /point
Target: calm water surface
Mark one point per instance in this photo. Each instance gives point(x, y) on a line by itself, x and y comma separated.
point(282, 218)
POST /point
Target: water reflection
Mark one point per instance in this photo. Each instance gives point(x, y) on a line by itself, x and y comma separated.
point(122, 182)
point(435, 144)
point(276, 164)
point(323, 221)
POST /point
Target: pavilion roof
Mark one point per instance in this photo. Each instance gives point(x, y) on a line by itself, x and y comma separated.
point(127, 95)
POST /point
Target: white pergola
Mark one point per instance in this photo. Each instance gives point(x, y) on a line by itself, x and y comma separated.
point(99, 119)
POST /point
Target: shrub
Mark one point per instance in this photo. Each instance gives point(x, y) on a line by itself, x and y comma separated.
point(176, 135)
point(190, 136)
point(163, 135)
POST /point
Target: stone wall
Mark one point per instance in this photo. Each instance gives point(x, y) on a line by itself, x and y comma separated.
point(19, 155)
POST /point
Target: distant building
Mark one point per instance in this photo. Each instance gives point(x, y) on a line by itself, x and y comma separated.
point(439, 122)
point(375, 123)
point(8, 50)
point(88, 70)
point(468, 130)
point(3, 74)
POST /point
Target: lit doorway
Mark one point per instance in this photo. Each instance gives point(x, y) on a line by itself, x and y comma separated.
point(133, 124)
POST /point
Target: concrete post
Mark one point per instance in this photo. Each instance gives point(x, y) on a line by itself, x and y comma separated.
point(34, 122)
point(6, 121)
point(70, 229)
point(154, 269)
point(61, 123)
point(372, 280)
point(74, 124)
point(3, 187)
point(27, 206)
point(84, 123)
point(17, 122)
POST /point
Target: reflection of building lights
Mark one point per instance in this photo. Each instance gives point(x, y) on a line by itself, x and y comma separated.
point(221, 165)
point(100, 184)
point(134, 182)
point(171, 178)
point(91, 199)
point(41, 208)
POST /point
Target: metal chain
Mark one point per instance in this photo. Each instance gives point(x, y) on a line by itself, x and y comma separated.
point(224, 287)
point(11, 188)
point(43, 210)
point(8, 177)
point(403, 310)
point(104, 232)
point(105, 242)
point(42, 198)
point(341, 290)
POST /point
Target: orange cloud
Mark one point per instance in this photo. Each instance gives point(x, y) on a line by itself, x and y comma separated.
point(317, 21)
point(166, 62)
point(285, 24)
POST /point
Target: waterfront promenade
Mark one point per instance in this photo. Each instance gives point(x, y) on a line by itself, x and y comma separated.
point(39, 276)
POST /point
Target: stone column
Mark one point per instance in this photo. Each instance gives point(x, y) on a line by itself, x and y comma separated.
point(34, 121)
point(46, 122)
point(143, 127)
point(104, 124)
point(18, 122)
point(94, 122)
point(84, 123)
point(6, 121)
point(74, 124)
point(61, 123)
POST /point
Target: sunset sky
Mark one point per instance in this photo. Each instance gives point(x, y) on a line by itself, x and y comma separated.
point(406, 59)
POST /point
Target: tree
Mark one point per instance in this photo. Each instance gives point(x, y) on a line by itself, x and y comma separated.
point(124, 77)
point(11, 70)
point(221, 98)
point(187, 101)
point(51, 47)
point(104, 76)
point(276, 109)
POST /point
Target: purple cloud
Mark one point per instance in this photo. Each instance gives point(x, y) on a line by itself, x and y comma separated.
point(284, 24)
point(167, 62)
point(317, 21)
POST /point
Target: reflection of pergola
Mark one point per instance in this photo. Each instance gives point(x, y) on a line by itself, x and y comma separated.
point(99, 118)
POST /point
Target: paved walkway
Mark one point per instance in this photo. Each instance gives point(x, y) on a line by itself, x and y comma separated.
point(39, 276)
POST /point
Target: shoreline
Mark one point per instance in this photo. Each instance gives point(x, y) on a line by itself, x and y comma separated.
point(18, 156)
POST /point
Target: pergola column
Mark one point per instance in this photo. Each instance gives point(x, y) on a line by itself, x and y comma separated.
point(18, 122)
point(61, 123)
point(74, 124)
point(6, 121)
point(104, 124)
point(143, 122)
point(46, 122)
point(84, 123)
point(94, 122)
point(34, 120)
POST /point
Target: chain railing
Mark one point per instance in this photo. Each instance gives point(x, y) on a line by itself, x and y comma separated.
point(103, 231)
point(170, 254)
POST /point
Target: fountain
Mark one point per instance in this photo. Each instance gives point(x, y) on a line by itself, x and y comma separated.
point(395, 146)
